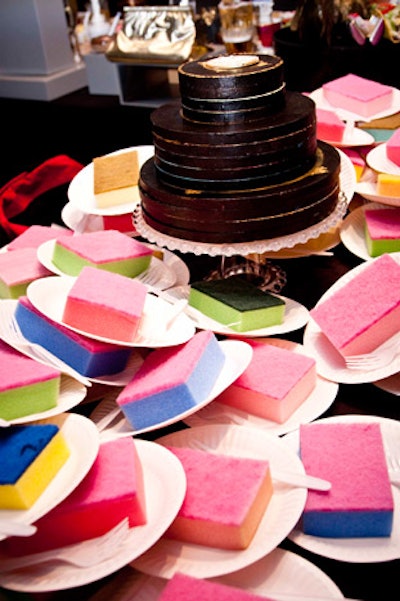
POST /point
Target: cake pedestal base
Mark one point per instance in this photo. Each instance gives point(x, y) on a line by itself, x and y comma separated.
point(257, 270)
point(245, 258)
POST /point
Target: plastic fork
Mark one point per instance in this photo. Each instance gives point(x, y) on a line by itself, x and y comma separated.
point(286, 477)
point(81, 555)
point(392, 453)
point(382, 356)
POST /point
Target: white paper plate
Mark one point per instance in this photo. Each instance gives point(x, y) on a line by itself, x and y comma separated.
point(286, 505)
point(165, 488)
point(279, 574)
point(159, 273)
point(320, 399)
point(81, 190)
point(358, 137)
point(296, 316)
point(330, 363)
point(355, 550)
point(368, 190)
point(81, 222)
point(321, 102)
point(176, 264)
point(49, 295)
point(238, 356)
point(378, 161)
point(83, 441)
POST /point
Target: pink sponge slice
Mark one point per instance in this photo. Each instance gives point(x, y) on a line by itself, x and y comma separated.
point(276, 382)
point(111, 491)
point(172, 380)
point(351, 456)
point(188, 588)
point(105, 304)
point(358, 95)
point(364, 312)
point(329, 126)
point(225, 500)
point(393, 147)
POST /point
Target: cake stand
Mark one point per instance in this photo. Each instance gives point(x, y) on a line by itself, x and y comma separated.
point(244, 258)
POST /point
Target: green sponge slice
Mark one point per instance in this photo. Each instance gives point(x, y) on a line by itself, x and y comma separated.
point(237, 304)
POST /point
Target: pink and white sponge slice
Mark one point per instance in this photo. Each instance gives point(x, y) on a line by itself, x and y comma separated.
point(172, 380)
point(275, 383)
point(351, 456)
point(358, 95)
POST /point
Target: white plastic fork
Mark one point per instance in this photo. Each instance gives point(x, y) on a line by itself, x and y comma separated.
point(392, 453)
point(382, 356)
point(81, 555)
point(286, 477)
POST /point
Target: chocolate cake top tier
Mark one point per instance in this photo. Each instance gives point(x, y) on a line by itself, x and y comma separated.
point(230, 76)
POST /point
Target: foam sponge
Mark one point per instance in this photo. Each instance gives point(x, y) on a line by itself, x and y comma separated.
point(111, 491)
point(17, 270)
point(388, 185)
point(393, 147)
point(365, 312)
point(182, 587)
point(382, 231)
point(89, 357)
point(36, 235)
point(30, 457)
point(26, 386)
point(105, 249)
point(275, 383)
point(351, 456)
point(105, 304)
point(172, 380)
point(225, 501)
point(329, 126)
point(358, 95)
point(237, 303)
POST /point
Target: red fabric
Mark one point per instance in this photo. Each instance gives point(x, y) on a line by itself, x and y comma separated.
point(21, 191)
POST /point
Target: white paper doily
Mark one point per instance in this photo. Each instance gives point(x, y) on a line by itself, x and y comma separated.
point(240, 248)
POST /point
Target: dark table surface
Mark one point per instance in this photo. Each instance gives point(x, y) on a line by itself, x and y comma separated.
point(84, 126)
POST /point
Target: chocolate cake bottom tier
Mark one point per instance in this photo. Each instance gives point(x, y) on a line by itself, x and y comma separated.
point(254, 214)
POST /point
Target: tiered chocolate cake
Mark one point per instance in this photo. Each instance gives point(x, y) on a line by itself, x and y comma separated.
point(236, 157)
